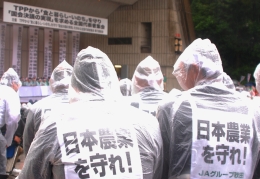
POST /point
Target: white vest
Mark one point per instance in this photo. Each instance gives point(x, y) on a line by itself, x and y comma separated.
point(221, 143)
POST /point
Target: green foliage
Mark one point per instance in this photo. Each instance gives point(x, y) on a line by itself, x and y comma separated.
point(234, 27)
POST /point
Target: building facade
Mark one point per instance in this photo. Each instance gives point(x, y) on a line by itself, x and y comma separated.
point(159, 28)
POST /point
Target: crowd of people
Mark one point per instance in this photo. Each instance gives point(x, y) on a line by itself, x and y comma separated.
point(96, 126)
point(35, 81)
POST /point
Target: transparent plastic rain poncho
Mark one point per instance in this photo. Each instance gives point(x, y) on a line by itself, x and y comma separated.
point(103, 128)
point(94, 77)
point(228, 82)
point(125, 87)
point(61, 77)
point(195, 124)
point(147, 86)
point(147, 74)
point(200, 64)
point(10, 77)
point(175, 92)
point(257, 77)
point(9, 116)
point(9, 111)
point(59, 84)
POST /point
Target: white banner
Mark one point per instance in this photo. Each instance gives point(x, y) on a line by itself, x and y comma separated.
point(48, 40)
point(2, 48)
point(98, 150)
point(221, 144)
point(33, 51)
point(37, 16)
point(17, 47)
point(63, 36)
point(75, 46)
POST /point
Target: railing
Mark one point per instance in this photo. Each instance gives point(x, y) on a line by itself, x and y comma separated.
point(33, 92)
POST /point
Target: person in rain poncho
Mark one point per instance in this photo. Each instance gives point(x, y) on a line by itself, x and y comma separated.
point(18, 136)
point(91, 138)
point(59, 84)
point(125, 87)
point(9, 114)
point(256, 104)
point(147, 86)
point(10, 78)
point(257, 78)
point(208, 131)
point(175, 92)
point(227, 81)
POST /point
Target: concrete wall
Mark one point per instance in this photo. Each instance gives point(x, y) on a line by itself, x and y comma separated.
point(127, 21)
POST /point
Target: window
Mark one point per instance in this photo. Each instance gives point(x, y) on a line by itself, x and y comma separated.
point(119, 41)
point(146, 37)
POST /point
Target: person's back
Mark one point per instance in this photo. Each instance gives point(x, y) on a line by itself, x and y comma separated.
point(60, 80)
point(147, 100)
point(9, 110)
point(125, 87)
point(36, 113)
point(255, 99)
point(9, 114)
point(223, 118)
point(9, 118)
point(108, 140)
point(209, 130)
point(147, 86)
point(90, 138)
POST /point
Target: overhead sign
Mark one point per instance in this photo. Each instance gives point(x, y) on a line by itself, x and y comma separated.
point(37, 16)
